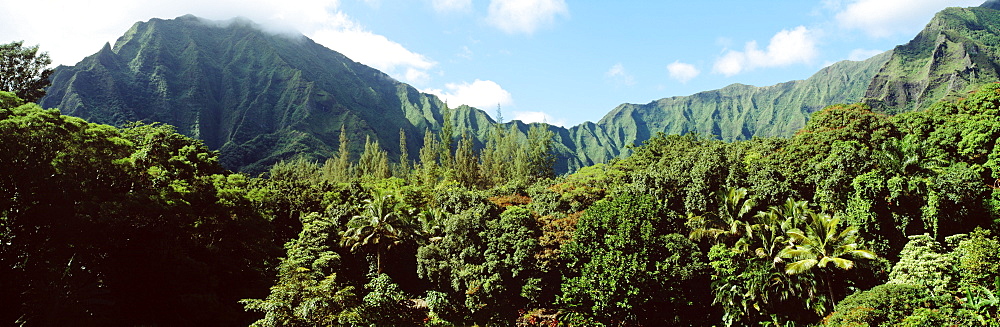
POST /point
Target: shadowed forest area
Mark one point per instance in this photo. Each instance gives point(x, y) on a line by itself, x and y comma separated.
point(859, 219)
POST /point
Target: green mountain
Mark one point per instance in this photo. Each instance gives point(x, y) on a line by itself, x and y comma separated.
point(957, 52)
point(260, 97)
point(737, 111)
point(256, 97)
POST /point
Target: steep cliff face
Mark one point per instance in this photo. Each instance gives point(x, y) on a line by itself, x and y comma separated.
point(259, 97)
point(254, 96)
point(735, 112)
point(955, 53)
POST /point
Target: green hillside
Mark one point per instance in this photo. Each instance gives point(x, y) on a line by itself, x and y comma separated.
point(953, 55)
point(256, 97)
point(260, 98)
point(738, 112)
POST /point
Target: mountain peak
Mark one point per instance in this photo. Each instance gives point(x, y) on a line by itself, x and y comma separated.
point(255, 95)
point(992, 4)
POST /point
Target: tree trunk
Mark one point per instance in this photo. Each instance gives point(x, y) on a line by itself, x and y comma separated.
point(829, 286)
point(378, 260)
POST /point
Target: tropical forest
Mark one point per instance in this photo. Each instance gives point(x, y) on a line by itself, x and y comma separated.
point(197, 174)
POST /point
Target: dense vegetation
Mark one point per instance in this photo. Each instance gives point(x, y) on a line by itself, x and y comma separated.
point(858, 219)
point(359, 201)
point(260, 98)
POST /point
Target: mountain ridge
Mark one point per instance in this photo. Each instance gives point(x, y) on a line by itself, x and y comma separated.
point(955, 53)
point(260, 97)
point(244, 92)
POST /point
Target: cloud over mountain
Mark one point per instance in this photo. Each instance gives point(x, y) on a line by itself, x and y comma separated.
point(787, 47)
point(884, 18)
point(682, 72)
point(479, 94)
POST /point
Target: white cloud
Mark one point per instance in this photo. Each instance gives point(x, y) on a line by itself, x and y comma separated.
point(538, 117)
point(71, 33)
point(480, 94)
point(618, 74)
point(862, 54)
point(466, 53)
point(524, 16)
point(377, 51)
point(445, 6)
point(682, 72)
point(786, 48)
point(884, 18)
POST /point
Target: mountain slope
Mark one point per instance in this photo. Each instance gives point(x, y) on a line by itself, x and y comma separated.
point(955, 53)
point(734, 112)
point(259, 97)
point(254, 96)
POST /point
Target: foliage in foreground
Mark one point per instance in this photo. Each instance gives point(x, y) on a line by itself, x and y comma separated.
point(860, 219)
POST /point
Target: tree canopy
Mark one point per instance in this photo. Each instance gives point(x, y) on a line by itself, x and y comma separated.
point(24, 71)
point(859, 219)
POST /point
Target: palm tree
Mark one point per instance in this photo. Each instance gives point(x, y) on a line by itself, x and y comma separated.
point(729, 223)
point(380, 225)
point(431, 225)
point(823, 244)
point(769, 234)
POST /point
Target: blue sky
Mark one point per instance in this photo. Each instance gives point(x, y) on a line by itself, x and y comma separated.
point(559, 61)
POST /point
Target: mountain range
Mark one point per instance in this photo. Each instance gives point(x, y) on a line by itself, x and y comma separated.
point(260, 97)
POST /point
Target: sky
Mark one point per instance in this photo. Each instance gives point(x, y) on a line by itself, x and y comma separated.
point(557, 61)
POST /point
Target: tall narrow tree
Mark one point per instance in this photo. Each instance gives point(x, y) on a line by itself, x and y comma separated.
point(374, 163)
point(339, 169)
point(541, 159)
point(429, 160)
point(466, 169)
point(447, 138)
point(403, 169)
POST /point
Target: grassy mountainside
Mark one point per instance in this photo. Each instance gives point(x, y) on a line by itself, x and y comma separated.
point(259, 97)
point(736, 112)
point(955, 53)
point(256, 97)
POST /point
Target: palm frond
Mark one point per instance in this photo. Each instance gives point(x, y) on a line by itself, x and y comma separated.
point(800, 266)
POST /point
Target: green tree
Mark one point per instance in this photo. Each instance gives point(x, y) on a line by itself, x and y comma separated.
point(731, 222)
point(447, 138)
point(749, 282)
point(541, 158)
point(24, 71)
point(493, 159)
point(452, 262)
point(428, 171)
point(976, 256)
point(924, 262)
point(824, 243)
point(466, 168)
point(626, 266)
point(380, 226)
point(374, 162)
point(387, 305)
point(403, 168)
point(340, 169)
point(308, 291)
point(90, 217)
point(509, 277)
point(883, 305)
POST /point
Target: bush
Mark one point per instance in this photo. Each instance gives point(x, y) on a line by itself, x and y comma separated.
point(883, 305)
